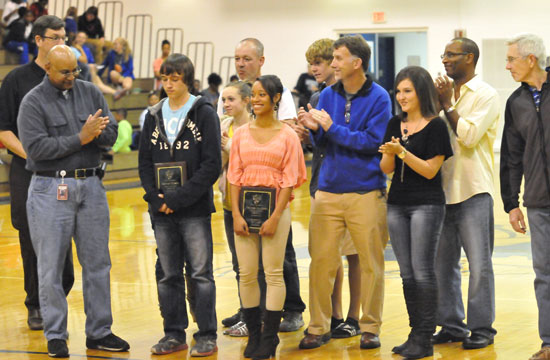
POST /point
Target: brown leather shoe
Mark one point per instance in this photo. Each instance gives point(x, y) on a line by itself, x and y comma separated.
point(311, 341)
point(369, 341)
point(542, 354)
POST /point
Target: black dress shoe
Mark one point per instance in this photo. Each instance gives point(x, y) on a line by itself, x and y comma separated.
point(34, 320)
point(443, 336)
point(477, 341)
point(369, 341)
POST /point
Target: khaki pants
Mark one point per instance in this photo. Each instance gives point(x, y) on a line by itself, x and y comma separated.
point(273, 255)
point(364, 216)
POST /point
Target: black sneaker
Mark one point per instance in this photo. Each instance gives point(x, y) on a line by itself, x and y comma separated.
point(110, 342)
point(232, 320)
point(349, 328)
point(57, 348)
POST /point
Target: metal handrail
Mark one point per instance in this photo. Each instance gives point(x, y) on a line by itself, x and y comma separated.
point(170, 34)
point(61, 11)
point(109, 11)
point(227, 63)
point(205, 46)
point(139, 55)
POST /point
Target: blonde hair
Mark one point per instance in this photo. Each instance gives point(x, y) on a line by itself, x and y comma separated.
point(126, 51)
point(320, 50)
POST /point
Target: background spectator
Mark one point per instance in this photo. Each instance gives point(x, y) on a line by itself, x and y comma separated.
point(120, 64)
point(71, 27)
point(166, 49)
point(18, 38)
point(124, 138)
point(211, 93)
point(91, 25)
point(39, 8)
point(10, 11)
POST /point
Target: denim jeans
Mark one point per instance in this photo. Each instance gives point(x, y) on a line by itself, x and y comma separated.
point(181, 240)
point(539, 222)
point(468, 225)
point(19, 47)
point(20, 179)
point(293, 300)
point(85, 218)
point(414, 233)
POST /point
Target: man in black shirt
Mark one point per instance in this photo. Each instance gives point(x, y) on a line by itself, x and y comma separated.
point(48, 31)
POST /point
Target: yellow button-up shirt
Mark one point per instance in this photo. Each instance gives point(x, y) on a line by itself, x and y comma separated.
point(470, 170)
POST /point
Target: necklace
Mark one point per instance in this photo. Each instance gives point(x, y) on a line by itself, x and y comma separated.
point(405, 136)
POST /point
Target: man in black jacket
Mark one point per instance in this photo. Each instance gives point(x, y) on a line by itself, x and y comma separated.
point(525, 152)
point(179, 162)
point(48, 31)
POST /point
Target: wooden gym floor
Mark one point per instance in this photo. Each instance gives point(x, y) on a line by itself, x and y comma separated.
point(137, 318)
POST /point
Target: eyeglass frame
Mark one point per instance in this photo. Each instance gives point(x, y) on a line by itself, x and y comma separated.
point(57, 38)
point(68, 73)
point(514, 58)
point(450, 54)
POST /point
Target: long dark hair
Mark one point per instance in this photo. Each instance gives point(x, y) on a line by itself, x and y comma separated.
point(424, 88)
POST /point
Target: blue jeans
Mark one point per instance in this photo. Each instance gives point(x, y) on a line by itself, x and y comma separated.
point(180, 240)
point(468, 225)
point(19, 47)
point(539, 221)
point(52, 223)
point(414, 233)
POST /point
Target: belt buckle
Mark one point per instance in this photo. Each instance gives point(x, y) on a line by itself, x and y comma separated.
point(80, 174)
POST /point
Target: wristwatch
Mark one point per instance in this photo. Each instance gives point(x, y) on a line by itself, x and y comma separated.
point(402, 154)
point(450, 109)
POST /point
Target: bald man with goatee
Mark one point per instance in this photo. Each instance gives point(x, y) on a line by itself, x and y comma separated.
point(63, 124)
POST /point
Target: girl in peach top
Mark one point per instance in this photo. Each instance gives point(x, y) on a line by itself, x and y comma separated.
point(267, 153)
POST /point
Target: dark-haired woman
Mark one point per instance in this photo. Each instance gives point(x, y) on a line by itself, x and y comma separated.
point(264, 153)
point(182, 128)
point(415, 145)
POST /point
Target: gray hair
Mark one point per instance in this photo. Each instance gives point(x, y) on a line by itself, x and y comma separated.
point(257, 44)
point(530, 44)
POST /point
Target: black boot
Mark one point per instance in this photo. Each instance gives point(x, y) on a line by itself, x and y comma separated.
point(420, 344)
point(409, 290)
point(270, 340)
point(252, 318)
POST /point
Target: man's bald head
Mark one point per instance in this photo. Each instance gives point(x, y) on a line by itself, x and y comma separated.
point(61, 67)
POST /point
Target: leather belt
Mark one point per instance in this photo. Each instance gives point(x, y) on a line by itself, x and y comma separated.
point(77, 173)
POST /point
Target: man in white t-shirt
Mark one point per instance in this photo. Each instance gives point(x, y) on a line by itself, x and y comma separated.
point(249, 59)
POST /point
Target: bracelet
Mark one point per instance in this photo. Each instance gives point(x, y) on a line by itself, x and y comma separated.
point(402, 154)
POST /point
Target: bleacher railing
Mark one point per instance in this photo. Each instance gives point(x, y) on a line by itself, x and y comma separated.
point(172, 35)
point(111, 14)
point(226, 68)
point(201, 53)
point(139, 32)
point(59, 7)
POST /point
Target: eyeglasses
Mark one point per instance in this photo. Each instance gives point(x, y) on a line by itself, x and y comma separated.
point(56, 38)
point(449, 54)
point(347, 114)
point(68, 73)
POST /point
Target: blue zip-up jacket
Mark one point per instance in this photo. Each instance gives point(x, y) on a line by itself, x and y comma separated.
point(352, 161)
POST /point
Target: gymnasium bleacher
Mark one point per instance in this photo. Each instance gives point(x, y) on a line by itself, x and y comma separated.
point(138, 30)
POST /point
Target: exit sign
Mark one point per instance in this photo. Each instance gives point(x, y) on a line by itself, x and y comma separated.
point(378, 17)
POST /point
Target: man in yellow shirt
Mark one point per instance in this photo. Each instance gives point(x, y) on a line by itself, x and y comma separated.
point(472, 109)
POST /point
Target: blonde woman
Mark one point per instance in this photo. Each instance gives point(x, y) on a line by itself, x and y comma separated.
point(120, 64)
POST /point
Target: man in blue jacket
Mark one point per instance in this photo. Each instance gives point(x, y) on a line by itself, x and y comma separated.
point(351, 119)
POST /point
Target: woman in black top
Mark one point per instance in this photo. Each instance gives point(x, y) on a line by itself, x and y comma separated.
point(415, 145)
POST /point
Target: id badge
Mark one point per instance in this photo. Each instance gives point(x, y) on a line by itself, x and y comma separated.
point(62, 192)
